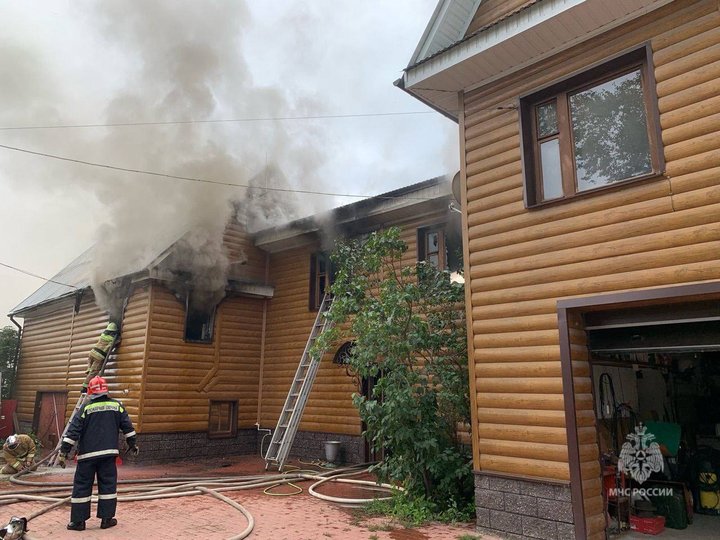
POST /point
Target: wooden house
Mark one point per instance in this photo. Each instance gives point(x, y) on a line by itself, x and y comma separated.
point(590, 176)
point(212, 386)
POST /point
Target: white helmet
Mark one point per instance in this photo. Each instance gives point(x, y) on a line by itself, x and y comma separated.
point(12, 441)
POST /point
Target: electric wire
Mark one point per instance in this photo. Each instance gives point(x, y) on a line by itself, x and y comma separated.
point(220, 120)
point(36, 275)
point(204, 180)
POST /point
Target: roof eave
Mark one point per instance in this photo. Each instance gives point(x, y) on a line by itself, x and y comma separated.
point(466, 64)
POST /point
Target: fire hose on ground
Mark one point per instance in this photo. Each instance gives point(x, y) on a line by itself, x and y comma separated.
point(147, 489)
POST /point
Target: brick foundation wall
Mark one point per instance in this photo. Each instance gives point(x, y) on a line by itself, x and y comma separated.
point(159, 447)
point(311, 445)
point(522, 509)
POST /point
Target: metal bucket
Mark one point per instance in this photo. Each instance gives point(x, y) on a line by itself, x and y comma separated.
point(332, 449)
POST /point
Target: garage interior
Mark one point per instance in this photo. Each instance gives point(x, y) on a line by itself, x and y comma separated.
point(656, 377)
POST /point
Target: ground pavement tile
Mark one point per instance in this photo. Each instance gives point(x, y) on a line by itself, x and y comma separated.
point(300, 517)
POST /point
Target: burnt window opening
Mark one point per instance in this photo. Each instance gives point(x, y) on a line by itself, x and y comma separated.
point(222, 419)
point(199, 320)
point(343, 354)
point(440, 246)
point(322, 275)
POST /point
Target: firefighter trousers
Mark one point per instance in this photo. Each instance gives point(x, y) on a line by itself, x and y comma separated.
point(85, 473)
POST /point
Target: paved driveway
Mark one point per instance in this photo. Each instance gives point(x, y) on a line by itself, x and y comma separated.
point(295, 517)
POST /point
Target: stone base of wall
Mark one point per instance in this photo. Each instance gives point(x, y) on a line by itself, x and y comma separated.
point(311, 445)
point(522, 509)
point(161, 447)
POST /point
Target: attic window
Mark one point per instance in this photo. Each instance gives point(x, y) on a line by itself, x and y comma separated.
point(199, 321)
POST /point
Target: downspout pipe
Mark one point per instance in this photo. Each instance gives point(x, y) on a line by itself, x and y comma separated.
point(16, 359)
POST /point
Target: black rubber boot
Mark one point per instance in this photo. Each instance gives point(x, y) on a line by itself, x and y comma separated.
point(76, 526)
point(106, 523)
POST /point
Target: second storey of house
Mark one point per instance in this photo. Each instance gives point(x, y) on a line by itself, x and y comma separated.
point(591, 164)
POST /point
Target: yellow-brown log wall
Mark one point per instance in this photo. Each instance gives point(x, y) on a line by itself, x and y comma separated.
point(491, 11)
point(522, 261)
point(289, 321)
point(55, 347)
point(240, 247)
point(181, 378)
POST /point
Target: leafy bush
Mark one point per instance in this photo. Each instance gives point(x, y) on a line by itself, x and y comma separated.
point(408, 327)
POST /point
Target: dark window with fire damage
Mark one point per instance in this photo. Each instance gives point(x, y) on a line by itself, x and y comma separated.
point(199, 320)
point(322, 274)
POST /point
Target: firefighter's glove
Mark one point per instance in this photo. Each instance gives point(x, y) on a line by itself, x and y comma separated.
point(83, 390)
point(61, 460)
point(134, 450)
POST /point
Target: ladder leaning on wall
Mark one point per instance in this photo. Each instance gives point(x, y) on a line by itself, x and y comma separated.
point(297, 397)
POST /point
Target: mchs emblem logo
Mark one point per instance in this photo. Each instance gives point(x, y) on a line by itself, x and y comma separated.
point(640, 457)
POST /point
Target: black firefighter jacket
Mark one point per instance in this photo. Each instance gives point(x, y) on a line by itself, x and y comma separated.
point(95, 429)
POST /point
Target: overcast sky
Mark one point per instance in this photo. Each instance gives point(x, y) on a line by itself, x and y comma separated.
point(119, 61)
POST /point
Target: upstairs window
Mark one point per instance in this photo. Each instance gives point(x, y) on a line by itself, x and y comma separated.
point(321, 277)
point(595, 130)
point(199, 319)
point(440, 245)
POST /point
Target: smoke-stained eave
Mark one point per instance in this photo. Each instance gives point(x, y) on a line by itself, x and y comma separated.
point(362, 216)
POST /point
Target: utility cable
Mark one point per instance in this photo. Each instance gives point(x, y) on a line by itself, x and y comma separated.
point(36, 275)
point(203, 180)
point(220, 121)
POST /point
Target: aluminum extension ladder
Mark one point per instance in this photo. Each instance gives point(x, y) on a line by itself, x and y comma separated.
point(82, 400)
point(297, 397)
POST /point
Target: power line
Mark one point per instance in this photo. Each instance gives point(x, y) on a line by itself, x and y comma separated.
point(201, 180)
point(219, 121)
point(36, 276)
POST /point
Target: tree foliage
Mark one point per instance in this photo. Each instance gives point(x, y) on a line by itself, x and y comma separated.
point(408, 327)
point(8, 347)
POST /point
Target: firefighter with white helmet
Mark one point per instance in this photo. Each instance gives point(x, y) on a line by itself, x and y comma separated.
point(19, 453)
point(97, 354)
point(94, 430)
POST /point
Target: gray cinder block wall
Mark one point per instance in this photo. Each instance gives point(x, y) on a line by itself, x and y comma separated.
point(523, 509)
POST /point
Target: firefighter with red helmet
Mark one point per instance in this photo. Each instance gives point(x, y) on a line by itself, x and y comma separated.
point(19, 453)
point(95, 431)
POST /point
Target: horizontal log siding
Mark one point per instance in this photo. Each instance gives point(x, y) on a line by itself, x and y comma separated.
point(55, 347)
point(240, 247)
point(289, 322)
point(522, 261)
point(43, 355)
point(181, 378)
point(491, 11)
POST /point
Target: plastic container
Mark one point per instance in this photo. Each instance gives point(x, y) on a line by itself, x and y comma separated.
point(647, 525)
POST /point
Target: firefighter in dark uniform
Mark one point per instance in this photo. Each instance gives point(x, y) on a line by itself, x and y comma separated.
point(95, 431)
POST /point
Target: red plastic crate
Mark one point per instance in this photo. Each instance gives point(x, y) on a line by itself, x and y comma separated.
point(653, 525)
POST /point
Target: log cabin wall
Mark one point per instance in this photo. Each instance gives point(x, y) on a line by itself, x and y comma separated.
point(492, 11)
point(181, 378)
point(521, 261)
point(55, 345)
point(289, 321)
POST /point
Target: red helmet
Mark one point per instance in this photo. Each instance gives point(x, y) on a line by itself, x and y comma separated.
point(97, 385)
